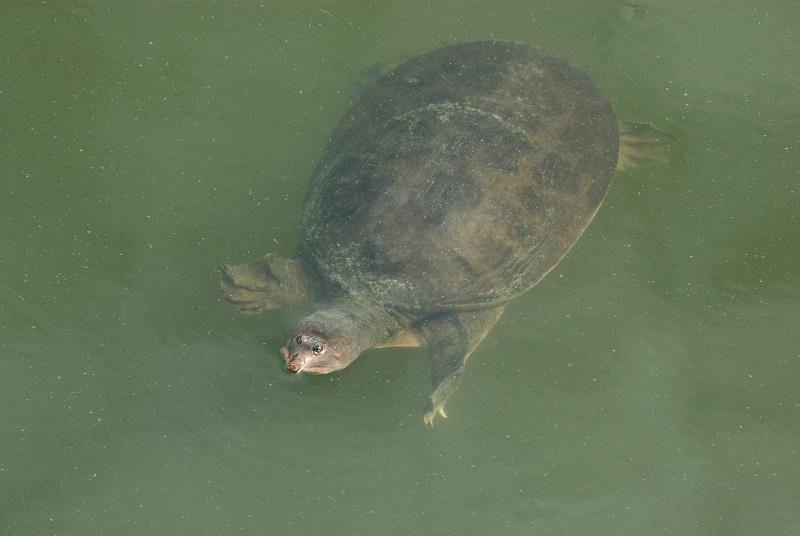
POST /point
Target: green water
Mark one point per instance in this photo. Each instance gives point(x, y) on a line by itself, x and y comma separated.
point(649, 386)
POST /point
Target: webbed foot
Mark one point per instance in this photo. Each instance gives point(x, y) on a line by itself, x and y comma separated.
point(440, 395)
point(642, 143)
point(268, 283)
point(450, 339)
point(431, 413)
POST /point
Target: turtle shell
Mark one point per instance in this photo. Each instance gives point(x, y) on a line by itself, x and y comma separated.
point(460, 179)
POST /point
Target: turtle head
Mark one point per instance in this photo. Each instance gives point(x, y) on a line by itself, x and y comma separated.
point(330, 339)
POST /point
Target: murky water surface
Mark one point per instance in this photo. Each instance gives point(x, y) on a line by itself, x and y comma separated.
point(650, 385)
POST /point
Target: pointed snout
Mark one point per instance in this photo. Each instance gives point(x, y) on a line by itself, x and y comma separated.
point(294, 363)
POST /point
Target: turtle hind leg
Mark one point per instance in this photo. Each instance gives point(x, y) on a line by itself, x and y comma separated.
point(450, 339)
point(642, 143)
point(268, 283)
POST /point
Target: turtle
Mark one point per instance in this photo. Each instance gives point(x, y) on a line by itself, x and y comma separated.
point(454, 184)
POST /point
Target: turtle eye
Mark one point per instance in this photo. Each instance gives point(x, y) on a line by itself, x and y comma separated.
point(298, 339)
point(317, 349)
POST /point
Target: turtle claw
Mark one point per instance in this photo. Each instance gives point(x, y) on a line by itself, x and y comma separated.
point(432, 412)
point(242, 286)
point(439, 396)
point(268, 283)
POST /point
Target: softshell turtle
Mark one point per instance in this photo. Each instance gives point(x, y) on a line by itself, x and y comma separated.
point(454, 184)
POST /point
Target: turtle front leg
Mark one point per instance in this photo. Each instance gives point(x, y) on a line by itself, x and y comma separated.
point(450, 339)
point(268, 283)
